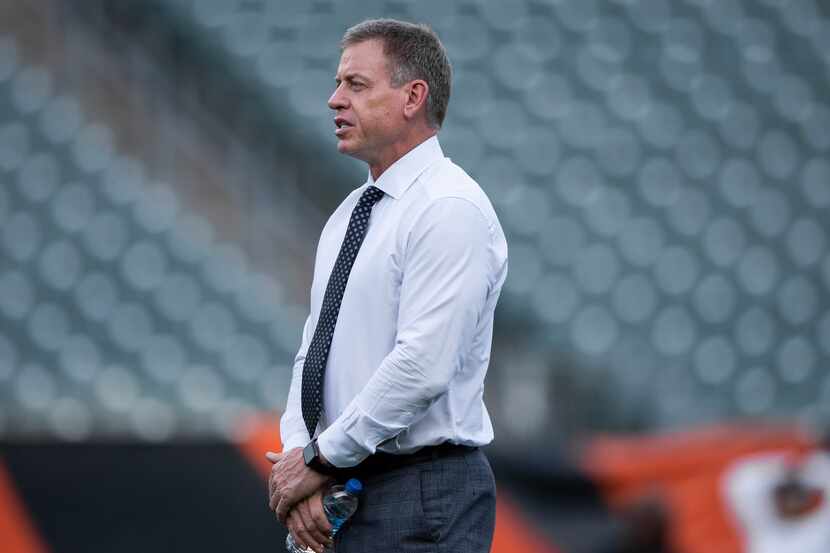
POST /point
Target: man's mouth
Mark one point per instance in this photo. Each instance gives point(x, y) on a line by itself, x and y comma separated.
point(342, 126)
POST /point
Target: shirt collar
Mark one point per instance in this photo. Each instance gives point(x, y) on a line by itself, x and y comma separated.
point(397, 179)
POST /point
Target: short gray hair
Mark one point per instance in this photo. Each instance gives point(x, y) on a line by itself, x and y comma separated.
point(414, 52)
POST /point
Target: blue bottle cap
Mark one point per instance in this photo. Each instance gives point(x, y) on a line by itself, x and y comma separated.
point(353, 486)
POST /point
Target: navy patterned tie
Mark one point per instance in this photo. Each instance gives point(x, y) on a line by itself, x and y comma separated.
point(314, 367)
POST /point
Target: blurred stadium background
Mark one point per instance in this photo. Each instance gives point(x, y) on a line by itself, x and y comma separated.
point(660, 167)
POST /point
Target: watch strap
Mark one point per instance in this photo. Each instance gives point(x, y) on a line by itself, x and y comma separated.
point(313, 460)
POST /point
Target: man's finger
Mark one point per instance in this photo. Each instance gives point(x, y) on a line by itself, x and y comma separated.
point(272, 480)
point(273, 457)
point(321, 521)
point(276, 494)
point(293, 528)
point(303, 532)
point(283, 507)
point(272, 485)
point(273, 477)
point(310, 523)
point(274, 500)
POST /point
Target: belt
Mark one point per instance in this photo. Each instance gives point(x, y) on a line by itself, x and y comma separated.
point(381, 461)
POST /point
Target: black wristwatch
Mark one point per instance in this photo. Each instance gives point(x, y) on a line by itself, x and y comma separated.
point(311, 456)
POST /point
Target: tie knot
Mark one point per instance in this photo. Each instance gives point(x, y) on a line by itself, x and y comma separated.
point(371, 196)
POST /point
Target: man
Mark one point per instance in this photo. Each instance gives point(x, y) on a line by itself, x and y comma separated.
point(388, 382)
point(782, 501)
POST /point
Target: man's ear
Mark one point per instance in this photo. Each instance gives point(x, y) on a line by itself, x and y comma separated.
point(416, 98)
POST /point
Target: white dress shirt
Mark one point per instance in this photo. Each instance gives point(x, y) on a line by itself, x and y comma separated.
point(412, 342)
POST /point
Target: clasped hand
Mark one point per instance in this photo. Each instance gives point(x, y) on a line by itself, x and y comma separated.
point(295, 494)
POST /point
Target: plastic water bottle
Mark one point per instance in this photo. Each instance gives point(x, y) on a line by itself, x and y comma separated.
point(339, 504)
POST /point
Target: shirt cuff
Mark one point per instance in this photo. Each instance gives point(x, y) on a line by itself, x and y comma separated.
point(353, 437)
point(293, 443)
point(339, 448)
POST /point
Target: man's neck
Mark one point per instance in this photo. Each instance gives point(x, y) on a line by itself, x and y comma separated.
point(399, 149)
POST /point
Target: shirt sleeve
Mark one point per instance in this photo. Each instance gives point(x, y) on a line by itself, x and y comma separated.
point(444, 288)
point(293, 432)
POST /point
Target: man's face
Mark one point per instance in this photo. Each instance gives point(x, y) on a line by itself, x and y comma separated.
point(369, 112)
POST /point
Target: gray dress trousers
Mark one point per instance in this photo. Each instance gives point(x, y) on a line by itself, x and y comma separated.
point(440, 505)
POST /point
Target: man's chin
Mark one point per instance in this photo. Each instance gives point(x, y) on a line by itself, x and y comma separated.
point(348, 148)
point(343, 146)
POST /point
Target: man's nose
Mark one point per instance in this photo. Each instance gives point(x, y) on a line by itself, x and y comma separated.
point(336, 100)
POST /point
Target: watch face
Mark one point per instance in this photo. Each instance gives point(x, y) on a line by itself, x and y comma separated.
point(308, 454)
